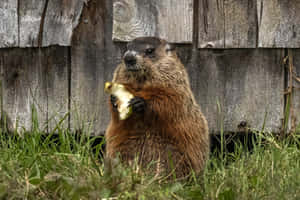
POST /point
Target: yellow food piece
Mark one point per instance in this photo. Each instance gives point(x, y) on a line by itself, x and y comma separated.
point(123, 97)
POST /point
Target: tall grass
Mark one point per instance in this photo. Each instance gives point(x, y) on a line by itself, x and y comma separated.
point(33, 166)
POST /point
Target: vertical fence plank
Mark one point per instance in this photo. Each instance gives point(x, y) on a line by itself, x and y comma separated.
point(211, 24)
point(34, 79)
point(8, 23)
point(174, 20)
point(240, 24)
point(61, 19)
point(94, 58)
point(227, 24)
point(87, 69)
point(23, 87)
point(247, 84)
point(56, 63)
point(279, 25)
point(169, 19)
point(30, 15)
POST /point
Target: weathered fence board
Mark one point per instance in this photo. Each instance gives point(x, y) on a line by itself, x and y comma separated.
point(56, 64)
point(8, 23)
point(211, 24)
point(170, 19)
point(227, 24)
point(88, 63)
point(240, 24)
point(22, 87)
point(247, 84)
point(279, 23)
point(27, 23)
point(28, 77)
point(30, 16)
point(62, 16)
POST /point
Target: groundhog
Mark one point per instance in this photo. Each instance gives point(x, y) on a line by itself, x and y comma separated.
point(166, 131)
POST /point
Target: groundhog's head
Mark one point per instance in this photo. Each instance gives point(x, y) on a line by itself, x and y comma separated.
point(150, 60)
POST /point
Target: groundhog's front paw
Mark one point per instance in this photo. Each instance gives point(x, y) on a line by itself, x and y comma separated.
point(138, 104)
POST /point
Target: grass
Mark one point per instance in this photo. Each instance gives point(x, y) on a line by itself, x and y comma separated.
point(65, 167)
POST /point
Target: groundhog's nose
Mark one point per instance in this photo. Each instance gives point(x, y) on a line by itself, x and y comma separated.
point(130, 59)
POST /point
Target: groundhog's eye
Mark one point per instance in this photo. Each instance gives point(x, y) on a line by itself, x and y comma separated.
point(149, 51)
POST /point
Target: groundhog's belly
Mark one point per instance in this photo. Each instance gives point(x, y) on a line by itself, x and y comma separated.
point(155, 154)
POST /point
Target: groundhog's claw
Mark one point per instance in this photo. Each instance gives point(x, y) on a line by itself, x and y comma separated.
point(138, 104)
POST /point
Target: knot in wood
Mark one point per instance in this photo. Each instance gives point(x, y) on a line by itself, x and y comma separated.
point(122, 11)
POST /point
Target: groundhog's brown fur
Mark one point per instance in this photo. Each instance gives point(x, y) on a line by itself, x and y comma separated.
point(171, 132)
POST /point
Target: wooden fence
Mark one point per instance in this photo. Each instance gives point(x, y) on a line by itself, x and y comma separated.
point(241, 56)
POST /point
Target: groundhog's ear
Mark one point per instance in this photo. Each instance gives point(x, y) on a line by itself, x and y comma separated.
point(170, 47)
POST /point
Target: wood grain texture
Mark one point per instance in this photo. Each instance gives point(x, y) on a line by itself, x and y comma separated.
point(56, 63)
point(246, 84)
point(279, 25)
point(87, 70)
point(23, 87)
point(211, 24)
point(27, 77)
point(30, 18)
point(62, 17)
point(227, 24)
point(168, 19)
point(240, 23)
point(9, 23)
point(92, 53)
